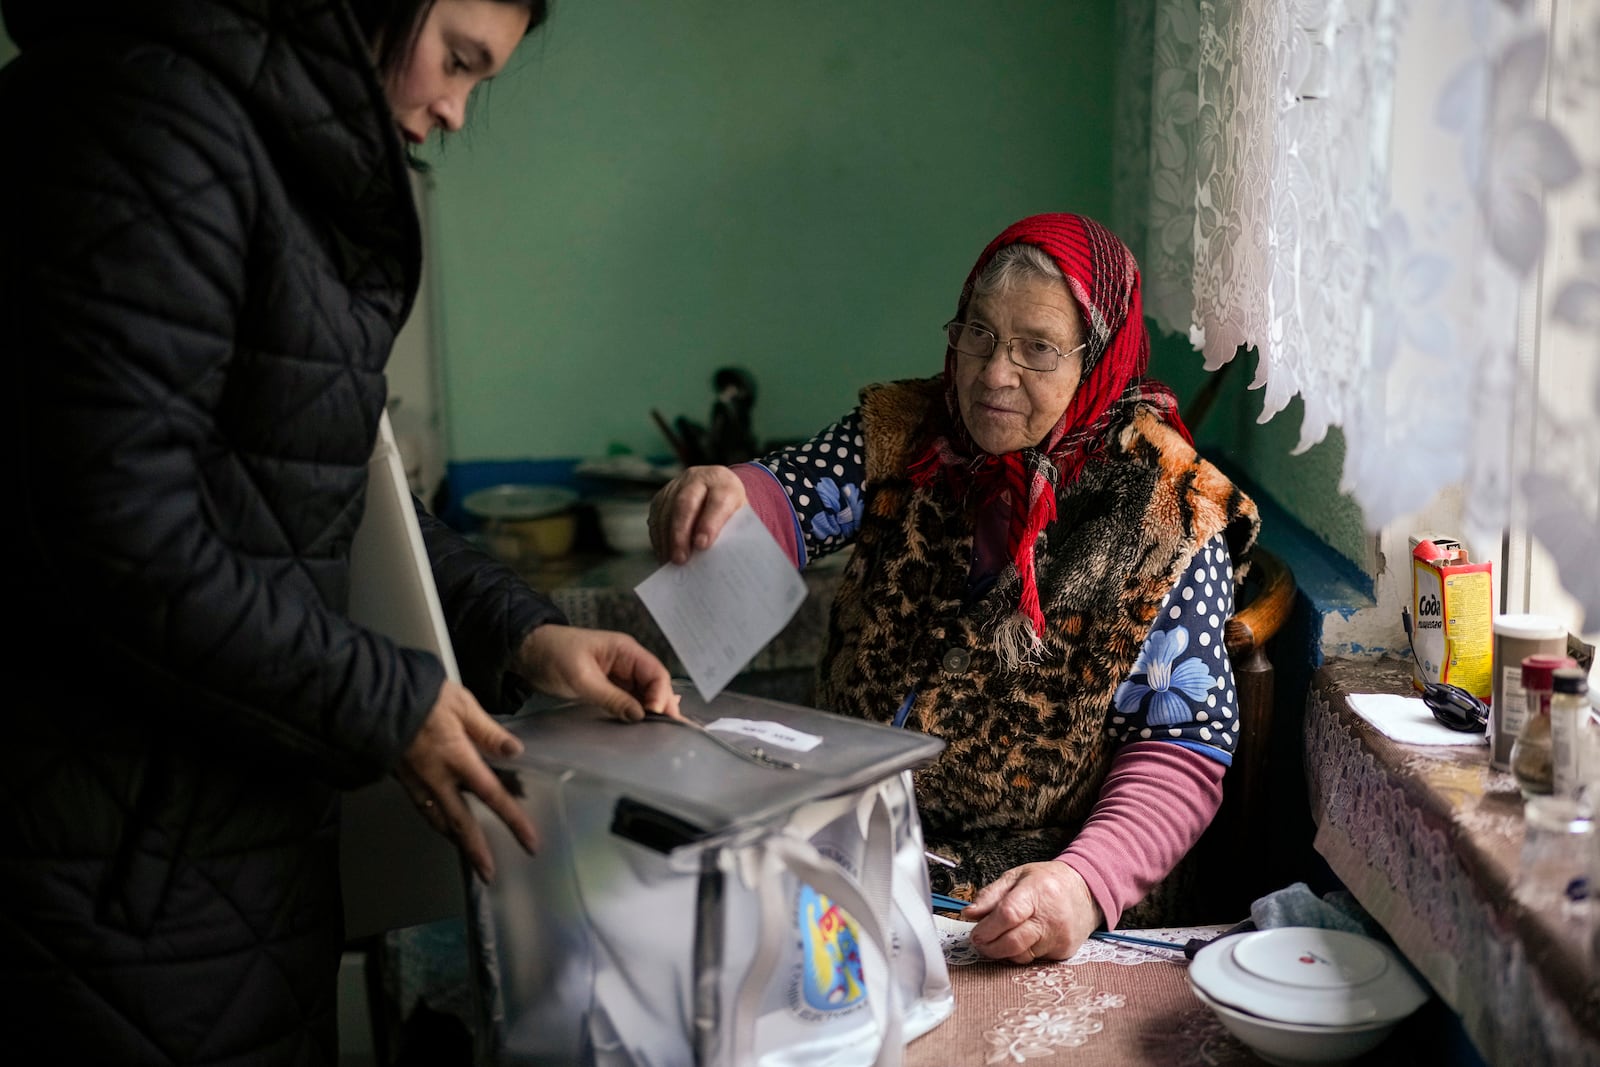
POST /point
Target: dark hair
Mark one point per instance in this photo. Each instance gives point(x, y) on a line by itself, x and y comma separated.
point(391, 26)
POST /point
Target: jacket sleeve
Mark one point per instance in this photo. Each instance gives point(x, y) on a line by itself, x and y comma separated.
point(825, 481)
point(127, 270)
point(488, 610)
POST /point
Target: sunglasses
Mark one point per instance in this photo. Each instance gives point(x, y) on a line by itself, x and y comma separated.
point(1451, 705)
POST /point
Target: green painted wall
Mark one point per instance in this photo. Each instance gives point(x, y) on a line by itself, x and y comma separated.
point(647, 195)
point(656, 190)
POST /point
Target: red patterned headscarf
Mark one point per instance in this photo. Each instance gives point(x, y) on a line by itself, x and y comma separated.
point(1104, 281)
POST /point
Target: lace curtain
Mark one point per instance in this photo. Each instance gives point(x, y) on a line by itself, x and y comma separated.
point(1397, 203)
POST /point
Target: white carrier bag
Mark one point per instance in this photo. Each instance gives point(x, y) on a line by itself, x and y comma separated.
point(754, 894)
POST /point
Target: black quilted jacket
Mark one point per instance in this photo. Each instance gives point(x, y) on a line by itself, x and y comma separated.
point(208, 247)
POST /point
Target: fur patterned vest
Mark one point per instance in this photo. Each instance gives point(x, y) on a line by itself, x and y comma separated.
point(1027, 750)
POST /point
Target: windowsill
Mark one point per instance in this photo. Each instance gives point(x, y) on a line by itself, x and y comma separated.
point(1428, 839)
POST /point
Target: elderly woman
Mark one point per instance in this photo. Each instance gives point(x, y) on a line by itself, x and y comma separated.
point(1041, 574)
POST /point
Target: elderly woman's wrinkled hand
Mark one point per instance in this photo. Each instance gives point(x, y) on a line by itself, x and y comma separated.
point(689, 512)
point(1039, 911)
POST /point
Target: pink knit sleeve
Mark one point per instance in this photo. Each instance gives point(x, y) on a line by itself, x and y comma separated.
point(1156, 800)
point(771, 505)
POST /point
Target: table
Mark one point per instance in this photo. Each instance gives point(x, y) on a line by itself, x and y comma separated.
point(1428, 839)
point(1109, 1005)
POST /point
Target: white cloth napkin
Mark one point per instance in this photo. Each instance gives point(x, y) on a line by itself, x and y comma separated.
point(1408, 720)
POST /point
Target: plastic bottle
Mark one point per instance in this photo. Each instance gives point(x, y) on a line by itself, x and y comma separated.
point(1589, 772)
point(1569, 705)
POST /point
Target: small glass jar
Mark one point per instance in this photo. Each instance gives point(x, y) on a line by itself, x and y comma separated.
point(1558, 836)
point(1531, 763)
point(1518, 638)
point(1537, 682)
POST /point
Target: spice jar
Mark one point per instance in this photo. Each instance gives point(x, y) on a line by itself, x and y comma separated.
point(1569, 706)
point(1537, 682)
point(1518, 638)
point(1531, 762)
point(1537, 685)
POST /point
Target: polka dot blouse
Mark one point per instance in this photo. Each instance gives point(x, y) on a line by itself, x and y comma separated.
point(1181, 687)
point(823, 480)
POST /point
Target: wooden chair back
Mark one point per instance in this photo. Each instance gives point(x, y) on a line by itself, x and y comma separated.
point(1235, 838)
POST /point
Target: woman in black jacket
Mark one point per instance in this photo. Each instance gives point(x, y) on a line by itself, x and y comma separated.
point(210, 246)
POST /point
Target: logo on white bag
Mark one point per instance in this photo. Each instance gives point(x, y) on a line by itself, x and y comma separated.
point(830, 944)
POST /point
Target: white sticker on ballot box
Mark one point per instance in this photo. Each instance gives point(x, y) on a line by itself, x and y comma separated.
point(771, 732)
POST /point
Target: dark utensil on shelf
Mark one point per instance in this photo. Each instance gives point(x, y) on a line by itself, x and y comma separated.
point(678, 449)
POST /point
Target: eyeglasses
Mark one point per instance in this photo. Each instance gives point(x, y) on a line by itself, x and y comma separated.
point(1029, 353)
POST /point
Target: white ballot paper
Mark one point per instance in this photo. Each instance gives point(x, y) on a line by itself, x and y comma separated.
point(719, 609)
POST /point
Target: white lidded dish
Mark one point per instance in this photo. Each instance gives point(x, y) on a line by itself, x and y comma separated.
point(1293, 1044)
point(1309, 977)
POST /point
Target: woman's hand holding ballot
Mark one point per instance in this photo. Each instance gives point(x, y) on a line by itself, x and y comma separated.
point(689, 512)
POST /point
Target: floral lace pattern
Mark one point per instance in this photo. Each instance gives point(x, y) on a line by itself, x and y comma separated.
point(1056, 1013)
point(1285, 188)
point(1247, 161)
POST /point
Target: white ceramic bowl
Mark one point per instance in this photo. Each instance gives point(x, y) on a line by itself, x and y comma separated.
point(1308, 976)
point(1293, 1044)
point(624, 522)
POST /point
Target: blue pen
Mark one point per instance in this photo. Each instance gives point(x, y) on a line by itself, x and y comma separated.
point(1103, 935)
point(905, 707)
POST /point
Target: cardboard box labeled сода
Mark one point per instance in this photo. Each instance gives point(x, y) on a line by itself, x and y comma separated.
point(1453, 602)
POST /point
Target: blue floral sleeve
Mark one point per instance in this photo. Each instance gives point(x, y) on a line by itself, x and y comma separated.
point(824, 479)
point(1181, 687)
